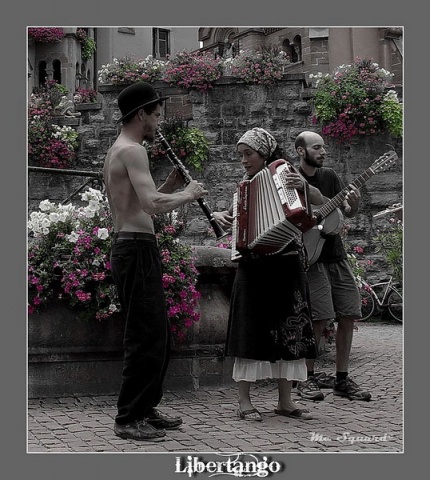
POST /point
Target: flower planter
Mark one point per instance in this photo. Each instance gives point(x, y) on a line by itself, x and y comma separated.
point(71, 356)
point(68, 355)
point(82, 107)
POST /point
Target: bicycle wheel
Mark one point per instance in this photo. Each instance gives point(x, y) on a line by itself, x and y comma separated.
point(367, 303)
point(395, 305)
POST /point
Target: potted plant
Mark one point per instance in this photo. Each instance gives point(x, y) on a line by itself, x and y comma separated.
point(264, 66)
point(88, 45)
point(354, 101)
point(49, 145)
point(128, 70)
point(68, 260)
point(189, 143)
point(193, 70)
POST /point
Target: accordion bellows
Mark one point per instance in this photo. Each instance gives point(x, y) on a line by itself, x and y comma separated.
point(267, 215)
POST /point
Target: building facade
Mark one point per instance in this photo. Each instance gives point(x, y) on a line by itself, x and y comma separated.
point(311, 49)
point(64, 62)
point(314, 49)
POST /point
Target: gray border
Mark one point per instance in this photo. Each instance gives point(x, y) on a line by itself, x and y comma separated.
point(16, 462)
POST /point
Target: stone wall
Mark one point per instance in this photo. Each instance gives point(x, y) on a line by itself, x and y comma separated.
point(224, 113)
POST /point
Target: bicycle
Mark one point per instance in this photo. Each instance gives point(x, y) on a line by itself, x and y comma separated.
point(383, 295)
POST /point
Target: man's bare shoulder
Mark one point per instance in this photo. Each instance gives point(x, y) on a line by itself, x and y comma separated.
point(125, 154)
point(123, 148)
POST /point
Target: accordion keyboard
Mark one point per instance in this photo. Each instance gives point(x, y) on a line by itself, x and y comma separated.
point(288, 196)
point(235, 254)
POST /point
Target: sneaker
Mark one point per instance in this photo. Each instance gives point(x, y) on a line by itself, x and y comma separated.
point(139, 430)
point(160, 420)
point(349, 389)
point(324, 381)
point(310, 390)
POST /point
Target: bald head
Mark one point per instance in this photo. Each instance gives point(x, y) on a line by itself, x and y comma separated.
point(307, 138)
point(311, 151)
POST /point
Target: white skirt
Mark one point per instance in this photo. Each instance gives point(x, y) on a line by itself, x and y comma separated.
point(248, 370)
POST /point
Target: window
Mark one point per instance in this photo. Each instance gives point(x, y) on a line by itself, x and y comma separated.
point(43, 76)
point(293, 50)
point(56, 66)
point(160, 43)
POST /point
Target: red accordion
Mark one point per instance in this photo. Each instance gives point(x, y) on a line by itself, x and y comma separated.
point(267, 214)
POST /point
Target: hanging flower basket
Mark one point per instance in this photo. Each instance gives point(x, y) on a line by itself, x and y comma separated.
point(46, 35)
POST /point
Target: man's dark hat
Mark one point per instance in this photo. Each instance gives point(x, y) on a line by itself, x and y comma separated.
point(135, 97)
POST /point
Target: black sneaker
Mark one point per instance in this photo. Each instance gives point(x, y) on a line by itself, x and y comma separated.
point(139, 430)
point(349, 389)
point(310, 390)
point(160, 420)
point(324, 381)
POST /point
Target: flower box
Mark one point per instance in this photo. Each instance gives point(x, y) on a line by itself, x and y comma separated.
point(71, 356)
point(80, 107)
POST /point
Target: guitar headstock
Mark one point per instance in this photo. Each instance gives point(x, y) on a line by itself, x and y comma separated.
point(384, 161)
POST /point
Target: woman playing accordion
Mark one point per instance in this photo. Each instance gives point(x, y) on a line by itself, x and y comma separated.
point(269, 330)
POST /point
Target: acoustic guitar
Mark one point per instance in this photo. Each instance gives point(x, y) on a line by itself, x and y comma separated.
point(328, 216)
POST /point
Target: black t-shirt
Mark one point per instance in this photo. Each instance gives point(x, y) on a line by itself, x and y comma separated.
point(329, 184)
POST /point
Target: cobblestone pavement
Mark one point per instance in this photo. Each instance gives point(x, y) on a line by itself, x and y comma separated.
point(85, 424)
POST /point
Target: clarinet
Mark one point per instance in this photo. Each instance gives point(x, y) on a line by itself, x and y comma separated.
point(219, 232)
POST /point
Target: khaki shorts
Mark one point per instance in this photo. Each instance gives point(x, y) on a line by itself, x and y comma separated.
point(333, 291)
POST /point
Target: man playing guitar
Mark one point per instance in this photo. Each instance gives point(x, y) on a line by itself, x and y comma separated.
point(333, 291)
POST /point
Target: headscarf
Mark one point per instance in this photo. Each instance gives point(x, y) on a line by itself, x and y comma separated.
point(259, 140)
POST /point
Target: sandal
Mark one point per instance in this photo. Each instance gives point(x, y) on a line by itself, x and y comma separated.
point(296, 413)
point(251, 414)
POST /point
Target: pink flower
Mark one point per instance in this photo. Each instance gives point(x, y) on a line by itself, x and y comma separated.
point(83, 296)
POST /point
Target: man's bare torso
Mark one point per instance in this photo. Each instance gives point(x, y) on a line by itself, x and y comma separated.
point(127, 213)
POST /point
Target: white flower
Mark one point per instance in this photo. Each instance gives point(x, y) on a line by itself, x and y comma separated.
point(62, 217)
point(103, 233)
point(92, 194)
point(73, 237)
point(46, 205)
point(87, 213)
point(45, 224)
point(113, 308)
point(391, 95)
point(68, 209)
point(54, 217)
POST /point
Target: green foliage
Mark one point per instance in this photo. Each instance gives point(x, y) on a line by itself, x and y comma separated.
point(389, 242)
point(88, 45)
point(392, 113)
point(88, 48)
point(189, 144)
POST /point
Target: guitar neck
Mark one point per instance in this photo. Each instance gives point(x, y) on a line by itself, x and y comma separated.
point(337, 200)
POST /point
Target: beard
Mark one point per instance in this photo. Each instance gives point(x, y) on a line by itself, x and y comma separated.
point(317, 163)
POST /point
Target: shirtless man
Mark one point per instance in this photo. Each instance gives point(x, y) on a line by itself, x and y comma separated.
point(136, 265)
